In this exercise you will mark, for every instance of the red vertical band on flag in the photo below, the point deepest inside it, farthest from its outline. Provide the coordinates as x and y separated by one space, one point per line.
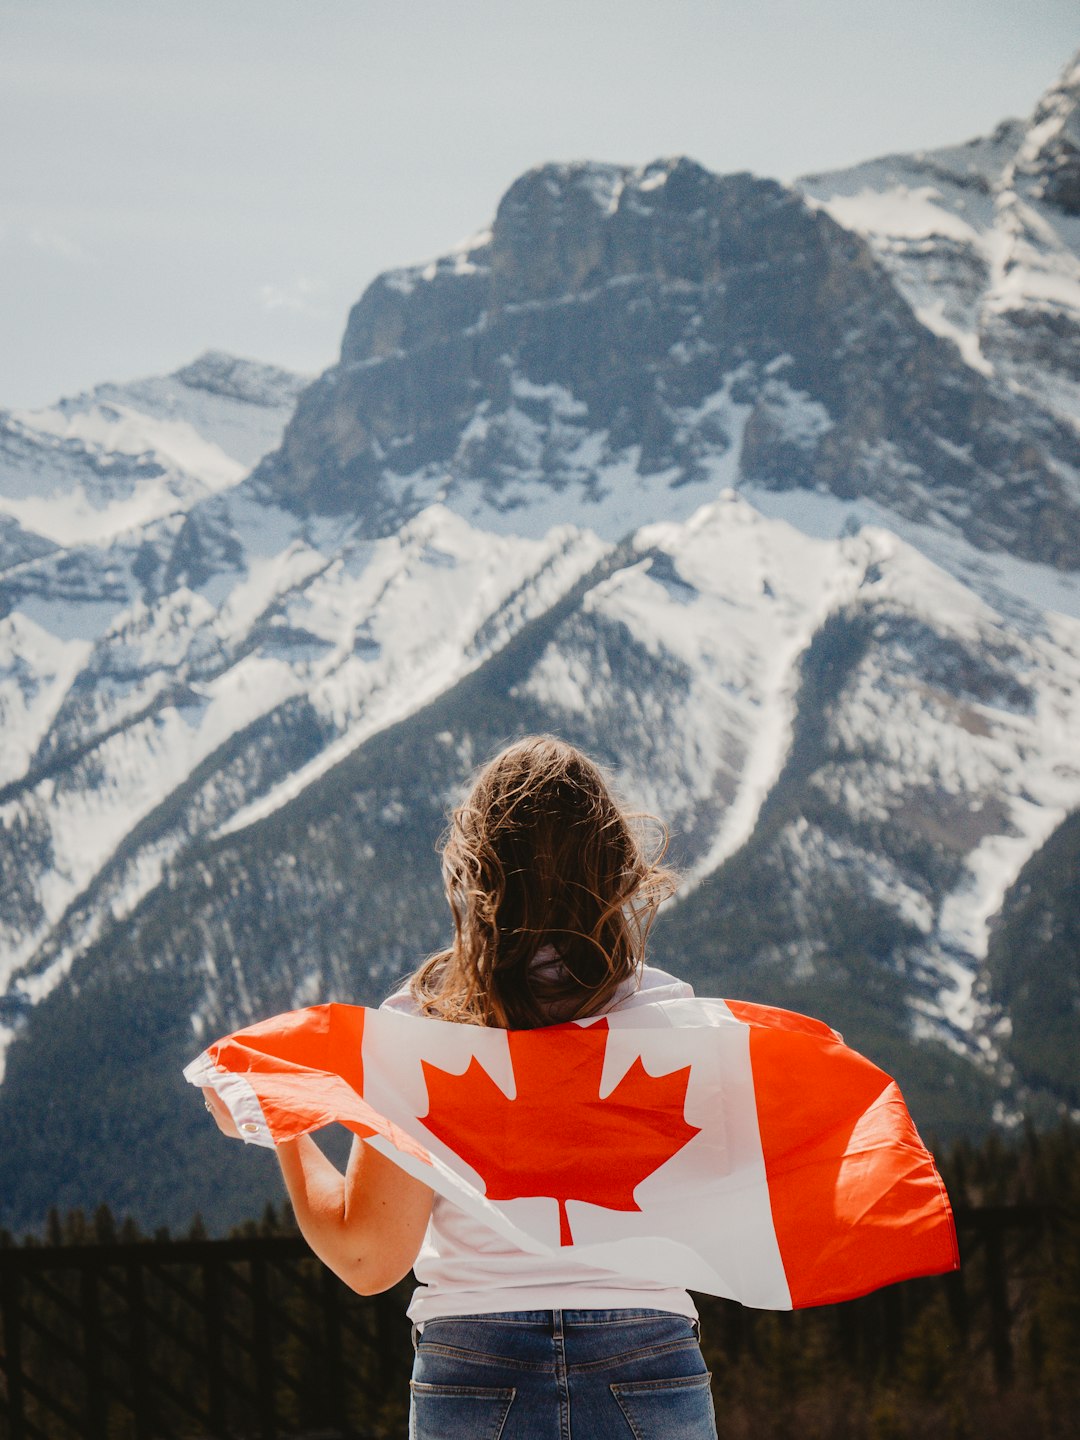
856 1199
277 1058
306 1069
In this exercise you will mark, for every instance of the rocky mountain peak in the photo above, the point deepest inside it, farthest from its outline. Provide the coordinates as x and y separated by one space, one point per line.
1050 150
663 329
236 378
561 229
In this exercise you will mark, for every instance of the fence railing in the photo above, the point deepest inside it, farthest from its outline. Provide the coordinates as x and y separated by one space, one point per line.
254 1338
192 1338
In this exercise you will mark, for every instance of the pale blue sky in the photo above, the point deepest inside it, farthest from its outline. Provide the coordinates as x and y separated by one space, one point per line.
178 175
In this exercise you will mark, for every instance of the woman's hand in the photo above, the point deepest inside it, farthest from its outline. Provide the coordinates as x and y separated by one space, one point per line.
220 1111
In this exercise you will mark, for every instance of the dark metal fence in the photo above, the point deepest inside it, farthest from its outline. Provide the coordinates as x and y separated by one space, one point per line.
254 1338
193 1338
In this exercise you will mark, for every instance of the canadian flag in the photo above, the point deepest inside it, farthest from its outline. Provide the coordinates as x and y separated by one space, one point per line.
729 1148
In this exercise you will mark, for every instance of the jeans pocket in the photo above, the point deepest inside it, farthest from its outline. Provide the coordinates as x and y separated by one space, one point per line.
677 1408
458 1412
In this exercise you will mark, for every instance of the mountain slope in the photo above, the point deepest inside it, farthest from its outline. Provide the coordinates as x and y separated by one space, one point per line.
1034 969
713 665
182 714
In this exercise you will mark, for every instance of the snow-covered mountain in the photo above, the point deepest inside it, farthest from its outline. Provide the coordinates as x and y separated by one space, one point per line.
625 342
983 239
273 652
94 467
769 497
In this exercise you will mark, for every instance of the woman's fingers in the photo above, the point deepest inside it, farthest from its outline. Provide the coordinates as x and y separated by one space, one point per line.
220 1111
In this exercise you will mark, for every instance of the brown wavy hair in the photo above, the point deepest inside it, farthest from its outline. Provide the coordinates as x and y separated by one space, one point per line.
541 854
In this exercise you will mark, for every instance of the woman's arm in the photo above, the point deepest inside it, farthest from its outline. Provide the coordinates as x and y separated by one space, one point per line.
366 1225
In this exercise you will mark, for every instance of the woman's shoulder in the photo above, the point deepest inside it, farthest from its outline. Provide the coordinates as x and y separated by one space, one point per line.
649 985
402 1000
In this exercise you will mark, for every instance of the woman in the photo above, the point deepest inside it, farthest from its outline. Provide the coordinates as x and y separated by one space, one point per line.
552 894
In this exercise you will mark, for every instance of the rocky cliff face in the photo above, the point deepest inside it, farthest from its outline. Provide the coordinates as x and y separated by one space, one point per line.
658 329
1047 163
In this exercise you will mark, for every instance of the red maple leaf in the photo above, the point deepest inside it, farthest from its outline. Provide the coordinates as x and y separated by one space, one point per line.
558 1138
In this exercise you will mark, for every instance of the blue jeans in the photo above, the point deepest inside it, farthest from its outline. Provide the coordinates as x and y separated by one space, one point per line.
561 1375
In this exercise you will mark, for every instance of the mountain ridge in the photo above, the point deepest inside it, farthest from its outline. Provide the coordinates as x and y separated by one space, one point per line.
741 281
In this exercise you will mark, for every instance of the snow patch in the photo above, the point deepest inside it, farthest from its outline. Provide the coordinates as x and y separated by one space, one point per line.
422 603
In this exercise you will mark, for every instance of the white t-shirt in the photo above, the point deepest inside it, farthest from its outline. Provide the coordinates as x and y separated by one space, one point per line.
466 1268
